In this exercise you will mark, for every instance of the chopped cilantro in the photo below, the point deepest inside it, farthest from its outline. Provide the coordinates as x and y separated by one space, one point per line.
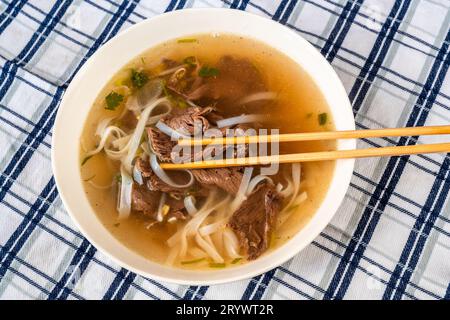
138 78
113 100
192 261
323 117
207 72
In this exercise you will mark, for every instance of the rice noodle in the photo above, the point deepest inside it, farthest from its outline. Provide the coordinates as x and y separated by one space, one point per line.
296 173
197 253
213 227
124 197
154 119
191 227
139 130
245 118
168 71
243 187
104 137
231 243
137 176
164 128
120 143
162 202
265 95
189 204
279 187
173 254
255 181
164 177
288 210
102 126
210 249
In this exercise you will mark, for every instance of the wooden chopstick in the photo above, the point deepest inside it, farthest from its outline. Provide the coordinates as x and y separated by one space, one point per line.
312 156
325 135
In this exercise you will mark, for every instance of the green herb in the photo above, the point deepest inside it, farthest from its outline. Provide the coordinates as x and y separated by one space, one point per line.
217 265
118 178
86 159
207 72
113 100
323 117
116 224
187 40
90 178
138 78
192 261
143 60
191 61
236 260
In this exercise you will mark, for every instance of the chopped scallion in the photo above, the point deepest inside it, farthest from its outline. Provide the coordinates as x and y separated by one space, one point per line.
187 40
113 100
192 261
207 72
138 78
323 118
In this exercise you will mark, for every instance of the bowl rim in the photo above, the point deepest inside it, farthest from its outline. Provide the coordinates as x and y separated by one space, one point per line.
343 168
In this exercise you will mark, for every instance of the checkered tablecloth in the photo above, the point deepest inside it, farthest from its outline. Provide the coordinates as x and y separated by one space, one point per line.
391 236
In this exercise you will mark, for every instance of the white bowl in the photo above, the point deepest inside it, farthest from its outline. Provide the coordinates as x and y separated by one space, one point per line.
110 58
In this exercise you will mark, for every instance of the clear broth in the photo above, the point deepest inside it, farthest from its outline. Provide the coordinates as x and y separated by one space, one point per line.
297 109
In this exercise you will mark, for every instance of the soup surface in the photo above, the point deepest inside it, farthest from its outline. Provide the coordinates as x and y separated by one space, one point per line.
222 76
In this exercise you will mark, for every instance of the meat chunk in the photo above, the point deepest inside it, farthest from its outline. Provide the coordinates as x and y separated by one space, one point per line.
228 179
182 121
144 200
161 144
253 220
237 78
153 182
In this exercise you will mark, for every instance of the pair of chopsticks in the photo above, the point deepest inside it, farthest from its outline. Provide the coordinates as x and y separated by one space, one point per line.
316 156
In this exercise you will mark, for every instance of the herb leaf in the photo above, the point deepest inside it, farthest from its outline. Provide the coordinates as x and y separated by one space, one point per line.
113 100
187 40
138 78
323 118
236 260
207 72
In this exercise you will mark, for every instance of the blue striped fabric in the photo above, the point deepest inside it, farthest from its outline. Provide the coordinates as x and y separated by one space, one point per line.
391 236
